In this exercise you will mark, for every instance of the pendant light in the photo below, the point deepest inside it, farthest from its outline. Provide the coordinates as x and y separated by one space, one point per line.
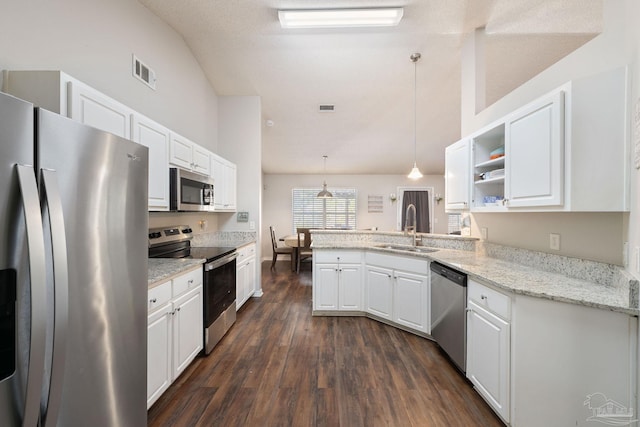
325 194
415 172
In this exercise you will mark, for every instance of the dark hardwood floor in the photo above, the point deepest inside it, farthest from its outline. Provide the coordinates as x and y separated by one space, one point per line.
279 366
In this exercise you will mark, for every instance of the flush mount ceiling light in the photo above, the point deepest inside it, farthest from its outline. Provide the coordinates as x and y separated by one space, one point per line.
324 194
415 172
340 18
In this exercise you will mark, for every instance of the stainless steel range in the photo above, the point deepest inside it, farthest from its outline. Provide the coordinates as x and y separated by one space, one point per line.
219 277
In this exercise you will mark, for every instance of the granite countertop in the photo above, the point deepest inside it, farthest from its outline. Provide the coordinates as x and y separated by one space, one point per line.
517 278
162 269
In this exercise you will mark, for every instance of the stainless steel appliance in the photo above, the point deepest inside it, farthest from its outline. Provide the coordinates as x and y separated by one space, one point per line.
190 191
448 312
73 272
219 277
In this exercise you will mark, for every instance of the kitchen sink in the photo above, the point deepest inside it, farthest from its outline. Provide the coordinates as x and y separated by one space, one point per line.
419 249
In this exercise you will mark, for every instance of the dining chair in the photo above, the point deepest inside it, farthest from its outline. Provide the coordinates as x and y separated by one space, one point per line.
278 250
304 246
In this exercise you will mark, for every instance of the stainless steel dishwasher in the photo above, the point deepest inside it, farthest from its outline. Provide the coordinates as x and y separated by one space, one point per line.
448 315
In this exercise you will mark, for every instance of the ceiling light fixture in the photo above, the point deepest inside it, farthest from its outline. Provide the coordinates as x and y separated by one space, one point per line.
415 172
340 18
325 194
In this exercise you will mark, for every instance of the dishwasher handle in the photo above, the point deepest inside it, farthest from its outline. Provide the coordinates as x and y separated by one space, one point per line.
454 276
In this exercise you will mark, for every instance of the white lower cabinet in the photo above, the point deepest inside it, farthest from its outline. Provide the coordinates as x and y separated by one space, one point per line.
174 330
187 330
159 346
337 280
398 289
488 346
410 293
380 291
245 274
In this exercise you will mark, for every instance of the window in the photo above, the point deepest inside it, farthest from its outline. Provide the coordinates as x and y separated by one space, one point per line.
337 212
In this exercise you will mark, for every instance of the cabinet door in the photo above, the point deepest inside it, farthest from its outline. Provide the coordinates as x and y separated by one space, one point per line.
457 165
379 291
219 180
187 330
201 161
231 177
350 287
250 278
411 301
534 154
488 357
155 137
240 284
158 353
88 106
180 151
325 287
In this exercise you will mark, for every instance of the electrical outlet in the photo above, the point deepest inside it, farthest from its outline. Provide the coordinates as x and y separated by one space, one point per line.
625 254
252 225
484 231
554 241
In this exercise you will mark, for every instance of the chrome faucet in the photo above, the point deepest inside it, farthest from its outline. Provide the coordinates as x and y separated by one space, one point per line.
408 227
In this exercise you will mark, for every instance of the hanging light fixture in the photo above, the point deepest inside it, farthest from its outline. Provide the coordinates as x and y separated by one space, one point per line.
324 194
415 172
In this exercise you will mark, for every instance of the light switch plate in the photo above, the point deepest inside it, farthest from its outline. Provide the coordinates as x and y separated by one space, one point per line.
554 241
484 231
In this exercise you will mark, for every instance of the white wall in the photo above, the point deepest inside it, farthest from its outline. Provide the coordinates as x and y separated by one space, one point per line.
93 41
240 140
594 236
277 200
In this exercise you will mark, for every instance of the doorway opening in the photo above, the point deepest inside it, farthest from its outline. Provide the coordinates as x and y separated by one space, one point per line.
422 199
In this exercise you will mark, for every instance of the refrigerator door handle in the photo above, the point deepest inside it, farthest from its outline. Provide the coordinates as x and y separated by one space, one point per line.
61 294
37 273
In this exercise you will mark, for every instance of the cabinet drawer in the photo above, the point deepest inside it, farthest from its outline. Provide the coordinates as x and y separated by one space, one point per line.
352 257
158 296
186 282
492 300
399 262
246 252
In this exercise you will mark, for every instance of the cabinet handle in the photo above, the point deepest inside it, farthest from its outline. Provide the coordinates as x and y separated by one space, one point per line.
469 310
178 309
190 282
484 297
153 301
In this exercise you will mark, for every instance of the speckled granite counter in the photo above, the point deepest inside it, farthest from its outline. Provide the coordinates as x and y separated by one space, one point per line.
162 269
591 284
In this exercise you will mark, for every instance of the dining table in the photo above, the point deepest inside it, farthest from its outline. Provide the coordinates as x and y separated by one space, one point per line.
292 241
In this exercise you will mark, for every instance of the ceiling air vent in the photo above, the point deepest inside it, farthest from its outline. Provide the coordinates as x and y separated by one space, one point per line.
326 108
143 73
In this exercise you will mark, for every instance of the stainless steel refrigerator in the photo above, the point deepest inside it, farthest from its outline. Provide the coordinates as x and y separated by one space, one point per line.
73 272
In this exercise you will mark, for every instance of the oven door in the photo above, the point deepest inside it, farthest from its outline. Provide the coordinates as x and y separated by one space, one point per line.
219 299
190 191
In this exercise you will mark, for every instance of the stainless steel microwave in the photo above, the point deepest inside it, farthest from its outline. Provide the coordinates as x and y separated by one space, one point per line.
190 191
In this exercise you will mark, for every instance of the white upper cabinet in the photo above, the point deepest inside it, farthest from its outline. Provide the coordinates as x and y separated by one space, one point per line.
224 180
457 165
566 151
88 106
189 155
534 154
155 137
62 94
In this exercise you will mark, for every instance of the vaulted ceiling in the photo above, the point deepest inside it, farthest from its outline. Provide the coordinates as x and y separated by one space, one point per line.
367 73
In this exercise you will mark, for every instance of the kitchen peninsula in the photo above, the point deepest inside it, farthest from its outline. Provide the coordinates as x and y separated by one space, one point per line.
538 338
